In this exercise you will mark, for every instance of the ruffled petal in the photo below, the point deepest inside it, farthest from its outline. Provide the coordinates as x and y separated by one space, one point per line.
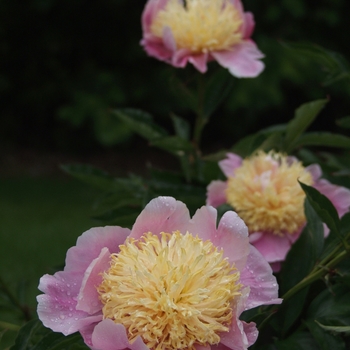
149 13
162 214
315 171
88 297
199 62
57 308
258 276
338 195
108 335
216 193
243 61
248 25
273 247
89 246
232 237
230 164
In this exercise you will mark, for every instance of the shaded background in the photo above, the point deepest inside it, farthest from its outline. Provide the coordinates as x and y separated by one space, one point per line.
65 63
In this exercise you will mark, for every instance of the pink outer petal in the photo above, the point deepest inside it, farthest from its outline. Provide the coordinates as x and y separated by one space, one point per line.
248 25
199 62
243 61
258 276
108 335
273 247
88 297
56 308
338 195
231 235
237 338
89 246
150 11
216 193
230 164
162 214
315 171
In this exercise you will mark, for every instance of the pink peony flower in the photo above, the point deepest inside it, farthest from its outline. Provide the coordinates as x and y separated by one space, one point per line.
199 31
264 191
171 282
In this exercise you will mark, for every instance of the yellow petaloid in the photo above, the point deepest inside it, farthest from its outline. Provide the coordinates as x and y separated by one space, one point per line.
200 25
174 291
266 194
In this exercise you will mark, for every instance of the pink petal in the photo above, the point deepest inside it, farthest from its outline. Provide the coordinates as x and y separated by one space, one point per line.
216 193
258 276
88 297
168 39
315 171
108 335
236 338
273 247
248 25
232 237
338 195
162 214
199 62
57 308
203 223
150 11
156 48
230 164
243 61
89 246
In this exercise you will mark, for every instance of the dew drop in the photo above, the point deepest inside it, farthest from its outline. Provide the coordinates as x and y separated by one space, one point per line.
62 317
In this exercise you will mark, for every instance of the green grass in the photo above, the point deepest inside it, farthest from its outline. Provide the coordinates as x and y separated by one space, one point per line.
39 220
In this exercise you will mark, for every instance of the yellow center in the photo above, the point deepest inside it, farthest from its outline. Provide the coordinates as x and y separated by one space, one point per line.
175 291
201 25
266 194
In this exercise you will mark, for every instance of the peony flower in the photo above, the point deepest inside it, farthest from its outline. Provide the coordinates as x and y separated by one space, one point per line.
198 31
171 282
264 191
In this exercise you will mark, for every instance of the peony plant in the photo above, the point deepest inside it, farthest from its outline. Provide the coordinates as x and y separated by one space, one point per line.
200 31
265 192
171 282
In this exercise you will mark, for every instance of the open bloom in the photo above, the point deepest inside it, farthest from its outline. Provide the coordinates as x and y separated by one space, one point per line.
198 31
171 282
264 191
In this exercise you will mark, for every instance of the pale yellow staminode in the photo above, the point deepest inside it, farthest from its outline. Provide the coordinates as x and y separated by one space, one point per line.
174 291
201 25
266 194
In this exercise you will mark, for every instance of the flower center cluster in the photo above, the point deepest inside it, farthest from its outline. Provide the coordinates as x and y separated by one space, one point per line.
200 25
266 194
175 291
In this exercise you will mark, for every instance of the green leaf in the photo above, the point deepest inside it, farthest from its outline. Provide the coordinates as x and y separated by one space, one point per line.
332 62
217 90
325 139
26 332
331 306
174 145
323 207
324 340
181 126
303 118
335 329
344 122
308 246
298 341
56 341
141 123
90 175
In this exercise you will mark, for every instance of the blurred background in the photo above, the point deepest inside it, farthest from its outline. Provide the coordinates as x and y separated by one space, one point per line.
64 64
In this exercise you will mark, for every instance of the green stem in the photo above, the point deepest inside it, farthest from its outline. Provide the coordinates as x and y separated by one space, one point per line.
200 118
313 276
